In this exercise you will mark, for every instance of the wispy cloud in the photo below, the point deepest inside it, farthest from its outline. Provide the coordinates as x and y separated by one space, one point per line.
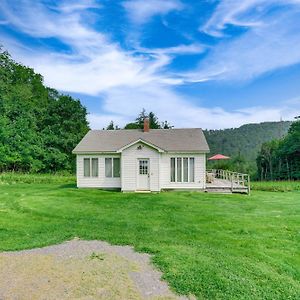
242 13
95 64
195 48
79 5
121 105
247 13
130 80
269 43
141 11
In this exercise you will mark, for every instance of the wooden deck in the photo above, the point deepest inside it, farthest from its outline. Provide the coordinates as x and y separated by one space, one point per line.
223 181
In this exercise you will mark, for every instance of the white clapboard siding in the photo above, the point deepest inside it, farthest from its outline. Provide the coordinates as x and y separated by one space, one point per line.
165 172
129 168
96 182
159 170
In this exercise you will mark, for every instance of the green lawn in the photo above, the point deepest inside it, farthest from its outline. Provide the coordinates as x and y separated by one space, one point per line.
212 246
276 186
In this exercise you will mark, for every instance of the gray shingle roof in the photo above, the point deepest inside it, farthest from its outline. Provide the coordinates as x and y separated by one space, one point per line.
170 140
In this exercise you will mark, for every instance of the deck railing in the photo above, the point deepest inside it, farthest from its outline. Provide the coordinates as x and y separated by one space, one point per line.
236 179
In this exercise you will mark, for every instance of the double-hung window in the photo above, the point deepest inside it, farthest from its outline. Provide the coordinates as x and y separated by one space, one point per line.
112 167
182 169
90 167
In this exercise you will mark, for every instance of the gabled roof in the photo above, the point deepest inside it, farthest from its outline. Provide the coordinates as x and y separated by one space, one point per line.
143 142
169 140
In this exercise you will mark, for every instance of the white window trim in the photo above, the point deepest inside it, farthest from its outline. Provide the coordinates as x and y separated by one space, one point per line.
90 163
112 166
182 157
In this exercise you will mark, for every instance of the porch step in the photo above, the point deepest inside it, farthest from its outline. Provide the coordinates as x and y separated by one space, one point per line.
218 190
142 192
226 190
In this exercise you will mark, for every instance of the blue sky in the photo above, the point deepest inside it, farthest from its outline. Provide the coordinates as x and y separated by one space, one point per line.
197 63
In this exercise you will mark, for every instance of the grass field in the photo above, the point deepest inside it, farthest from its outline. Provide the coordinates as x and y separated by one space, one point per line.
276 186
212 246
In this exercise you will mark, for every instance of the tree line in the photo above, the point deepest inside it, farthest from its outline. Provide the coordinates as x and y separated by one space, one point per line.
279 159
39 126
154 122
242 144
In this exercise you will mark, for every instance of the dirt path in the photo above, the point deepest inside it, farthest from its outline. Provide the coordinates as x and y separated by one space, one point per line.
80 270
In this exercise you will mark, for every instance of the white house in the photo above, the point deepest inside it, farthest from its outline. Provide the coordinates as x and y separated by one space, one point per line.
142 160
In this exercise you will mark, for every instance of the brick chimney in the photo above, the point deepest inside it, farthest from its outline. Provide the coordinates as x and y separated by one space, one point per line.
146 125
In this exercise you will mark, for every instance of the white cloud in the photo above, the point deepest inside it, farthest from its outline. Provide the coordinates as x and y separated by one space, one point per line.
129 81
38 20
79 5
235 13
95 64
247 13
141 11
271 44
195 48
124 103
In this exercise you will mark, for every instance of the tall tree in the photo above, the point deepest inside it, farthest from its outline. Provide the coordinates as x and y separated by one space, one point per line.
280 159
111 126
39 127
141 117
153 121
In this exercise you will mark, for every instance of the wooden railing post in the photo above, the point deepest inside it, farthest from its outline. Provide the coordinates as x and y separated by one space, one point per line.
249 185
237 180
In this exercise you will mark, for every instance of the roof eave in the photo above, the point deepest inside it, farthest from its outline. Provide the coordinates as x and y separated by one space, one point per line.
188 151
94 152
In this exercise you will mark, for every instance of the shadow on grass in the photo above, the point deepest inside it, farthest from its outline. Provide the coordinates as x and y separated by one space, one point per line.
74 186
68 186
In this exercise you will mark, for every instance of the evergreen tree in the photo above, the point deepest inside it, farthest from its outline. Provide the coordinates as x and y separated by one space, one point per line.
111 126
153 121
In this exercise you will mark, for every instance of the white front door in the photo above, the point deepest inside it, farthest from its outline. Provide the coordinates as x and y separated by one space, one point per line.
143 174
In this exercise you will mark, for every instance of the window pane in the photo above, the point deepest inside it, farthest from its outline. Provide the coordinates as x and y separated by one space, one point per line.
172 169
86 167
185 169
108 167
192 169
95 167
116 167
179 168
143 167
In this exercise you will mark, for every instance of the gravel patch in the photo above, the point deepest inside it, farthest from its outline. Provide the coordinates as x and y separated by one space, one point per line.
81 270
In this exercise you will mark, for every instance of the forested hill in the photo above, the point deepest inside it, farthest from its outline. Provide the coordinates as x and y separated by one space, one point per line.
245 140
39 127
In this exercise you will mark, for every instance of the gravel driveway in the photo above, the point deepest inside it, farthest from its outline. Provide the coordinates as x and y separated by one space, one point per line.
80 270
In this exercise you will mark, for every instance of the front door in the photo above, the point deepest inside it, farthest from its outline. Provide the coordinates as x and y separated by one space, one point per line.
143 174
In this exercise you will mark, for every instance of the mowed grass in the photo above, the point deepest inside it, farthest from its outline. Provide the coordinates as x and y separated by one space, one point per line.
210 245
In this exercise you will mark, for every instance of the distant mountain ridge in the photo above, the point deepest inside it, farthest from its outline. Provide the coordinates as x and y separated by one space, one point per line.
245 140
